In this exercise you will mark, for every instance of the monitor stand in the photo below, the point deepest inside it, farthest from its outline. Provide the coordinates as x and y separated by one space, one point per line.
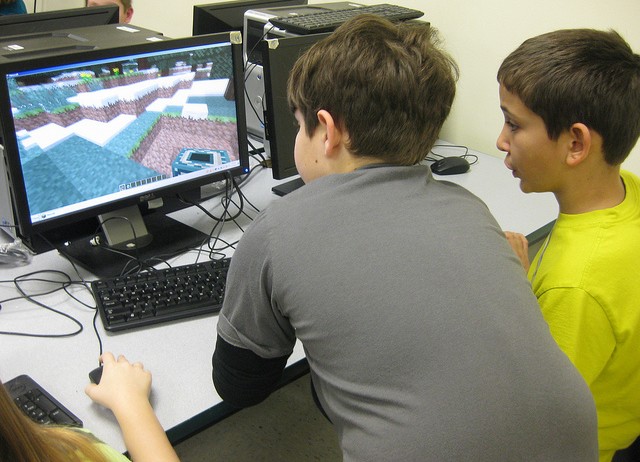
164 238
285 188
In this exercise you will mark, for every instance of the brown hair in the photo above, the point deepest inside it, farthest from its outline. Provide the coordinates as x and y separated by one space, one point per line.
580 76
388 85
22 440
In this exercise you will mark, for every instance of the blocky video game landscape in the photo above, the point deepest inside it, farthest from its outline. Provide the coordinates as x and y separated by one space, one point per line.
88 131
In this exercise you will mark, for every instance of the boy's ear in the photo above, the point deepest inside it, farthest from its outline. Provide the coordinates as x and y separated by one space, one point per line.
129 15
580 144
333 135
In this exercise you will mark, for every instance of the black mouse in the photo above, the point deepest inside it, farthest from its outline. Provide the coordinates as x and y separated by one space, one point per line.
450 165
95 375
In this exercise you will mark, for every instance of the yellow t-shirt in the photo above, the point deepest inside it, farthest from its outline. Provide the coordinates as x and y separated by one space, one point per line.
110 453
587 281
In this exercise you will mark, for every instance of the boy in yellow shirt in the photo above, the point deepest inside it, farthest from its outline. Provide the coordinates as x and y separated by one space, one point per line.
571 103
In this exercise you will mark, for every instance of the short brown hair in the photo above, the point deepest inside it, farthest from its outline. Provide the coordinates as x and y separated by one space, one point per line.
580 76
388 85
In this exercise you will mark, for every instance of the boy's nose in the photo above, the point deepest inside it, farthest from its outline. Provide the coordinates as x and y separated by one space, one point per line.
501 142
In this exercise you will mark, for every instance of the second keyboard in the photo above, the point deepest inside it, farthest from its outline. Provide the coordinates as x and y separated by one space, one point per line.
161 295
327 21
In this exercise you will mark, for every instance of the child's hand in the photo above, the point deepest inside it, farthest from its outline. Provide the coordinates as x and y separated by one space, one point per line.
122 384
520 246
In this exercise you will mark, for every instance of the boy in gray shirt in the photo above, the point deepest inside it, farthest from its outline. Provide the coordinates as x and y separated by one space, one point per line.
423 337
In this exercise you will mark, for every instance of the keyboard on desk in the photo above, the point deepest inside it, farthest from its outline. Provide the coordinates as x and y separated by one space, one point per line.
327 21
38 404
162 295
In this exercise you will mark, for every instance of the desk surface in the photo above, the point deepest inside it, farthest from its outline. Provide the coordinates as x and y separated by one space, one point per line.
179 353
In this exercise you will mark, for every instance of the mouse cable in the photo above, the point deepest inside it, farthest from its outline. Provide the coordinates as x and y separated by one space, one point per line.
87 286
64 285
434 156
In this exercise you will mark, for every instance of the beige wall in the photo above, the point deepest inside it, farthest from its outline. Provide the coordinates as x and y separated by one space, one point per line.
479 34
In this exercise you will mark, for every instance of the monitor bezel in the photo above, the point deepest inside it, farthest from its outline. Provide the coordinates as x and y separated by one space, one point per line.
280 124
25 227
212 11
47 21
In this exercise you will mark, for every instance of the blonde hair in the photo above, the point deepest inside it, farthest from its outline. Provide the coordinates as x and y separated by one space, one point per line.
22 440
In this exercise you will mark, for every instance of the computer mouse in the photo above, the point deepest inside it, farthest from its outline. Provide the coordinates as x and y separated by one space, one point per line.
450 165
95 375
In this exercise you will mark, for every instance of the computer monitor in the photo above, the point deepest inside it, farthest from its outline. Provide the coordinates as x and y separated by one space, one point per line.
57 42
95 137
227 16
279 56
46 21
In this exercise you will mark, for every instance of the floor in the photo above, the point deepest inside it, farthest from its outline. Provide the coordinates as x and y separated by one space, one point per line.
287 427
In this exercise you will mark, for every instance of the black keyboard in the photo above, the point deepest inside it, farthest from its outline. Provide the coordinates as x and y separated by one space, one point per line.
327 21
38 404
161 295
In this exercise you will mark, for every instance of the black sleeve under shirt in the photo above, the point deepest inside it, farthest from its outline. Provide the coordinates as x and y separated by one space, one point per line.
241 377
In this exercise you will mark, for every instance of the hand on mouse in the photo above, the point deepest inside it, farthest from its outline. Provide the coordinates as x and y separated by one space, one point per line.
124 388
122 384
520 246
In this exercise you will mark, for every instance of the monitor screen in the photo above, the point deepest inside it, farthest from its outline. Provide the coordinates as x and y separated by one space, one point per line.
99 131
46 21
227 16
279 56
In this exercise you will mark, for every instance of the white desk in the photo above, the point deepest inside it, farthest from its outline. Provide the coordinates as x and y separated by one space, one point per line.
179 353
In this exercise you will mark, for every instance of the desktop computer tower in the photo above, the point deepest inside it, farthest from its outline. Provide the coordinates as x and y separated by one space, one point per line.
256 29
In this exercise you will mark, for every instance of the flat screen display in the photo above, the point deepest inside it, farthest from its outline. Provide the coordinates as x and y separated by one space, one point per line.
44 21
98 131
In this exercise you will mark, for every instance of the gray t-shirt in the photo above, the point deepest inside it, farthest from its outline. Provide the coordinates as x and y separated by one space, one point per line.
422 334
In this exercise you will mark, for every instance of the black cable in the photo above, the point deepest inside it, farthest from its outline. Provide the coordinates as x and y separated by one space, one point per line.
247 74
433 156
17 281
256 151
88 287
240 193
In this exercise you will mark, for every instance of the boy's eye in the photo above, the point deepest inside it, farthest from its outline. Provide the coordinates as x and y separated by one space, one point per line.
513 127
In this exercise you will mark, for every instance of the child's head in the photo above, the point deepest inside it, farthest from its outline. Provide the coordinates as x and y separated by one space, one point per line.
389 86
125 6
579 76
23 440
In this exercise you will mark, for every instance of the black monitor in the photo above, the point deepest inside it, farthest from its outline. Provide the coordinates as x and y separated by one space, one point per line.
114 136
46 21
54 43
279 56
227 16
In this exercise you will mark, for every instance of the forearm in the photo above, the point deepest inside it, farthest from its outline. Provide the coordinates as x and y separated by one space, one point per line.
243 378
143 435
